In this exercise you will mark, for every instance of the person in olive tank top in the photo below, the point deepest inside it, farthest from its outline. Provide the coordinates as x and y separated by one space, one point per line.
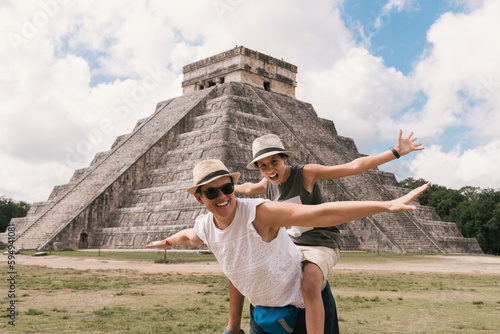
249 239
297 184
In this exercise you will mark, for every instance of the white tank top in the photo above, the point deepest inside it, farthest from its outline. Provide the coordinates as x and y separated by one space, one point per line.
267 273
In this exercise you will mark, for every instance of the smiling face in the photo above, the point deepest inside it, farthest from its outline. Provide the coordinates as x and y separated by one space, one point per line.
223 207
274 168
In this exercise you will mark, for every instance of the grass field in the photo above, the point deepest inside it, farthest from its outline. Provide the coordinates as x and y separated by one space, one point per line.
119 301
155 256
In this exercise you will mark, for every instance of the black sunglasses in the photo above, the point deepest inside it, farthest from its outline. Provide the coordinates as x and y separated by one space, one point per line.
213 192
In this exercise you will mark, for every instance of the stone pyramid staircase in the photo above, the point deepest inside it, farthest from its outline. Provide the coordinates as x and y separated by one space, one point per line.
135 192
160 205
398 233
99 179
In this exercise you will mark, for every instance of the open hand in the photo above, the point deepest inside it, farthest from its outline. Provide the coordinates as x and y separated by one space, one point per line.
407 145
403 203
157 244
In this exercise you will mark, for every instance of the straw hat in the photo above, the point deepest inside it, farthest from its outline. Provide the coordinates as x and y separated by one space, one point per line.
266 146
208 170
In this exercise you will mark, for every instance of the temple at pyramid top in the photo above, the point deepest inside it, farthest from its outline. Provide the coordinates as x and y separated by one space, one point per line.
241 65
135 192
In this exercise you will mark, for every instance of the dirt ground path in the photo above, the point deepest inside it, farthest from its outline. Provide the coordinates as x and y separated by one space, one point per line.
434 264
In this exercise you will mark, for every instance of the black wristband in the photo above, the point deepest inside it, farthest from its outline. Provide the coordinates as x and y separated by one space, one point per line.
395 152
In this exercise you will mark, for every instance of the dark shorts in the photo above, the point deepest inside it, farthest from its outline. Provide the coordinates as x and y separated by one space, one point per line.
331 320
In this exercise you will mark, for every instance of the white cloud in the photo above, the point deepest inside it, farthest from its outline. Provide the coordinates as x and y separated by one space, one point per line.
467 4
460 76
25 181
379 19
455 169
398 5
361 95
461 73
390 6
54 119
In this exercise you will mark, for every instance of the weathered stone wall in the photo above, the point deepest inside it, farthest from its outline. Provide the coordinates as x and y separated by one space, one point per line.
224 130
85 230
101 174
82 231
146 200
241 65
313 143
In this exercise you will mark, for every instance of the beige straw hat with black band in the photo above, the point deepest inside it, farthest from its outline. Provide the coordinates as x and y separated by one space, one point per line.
208 170
266 146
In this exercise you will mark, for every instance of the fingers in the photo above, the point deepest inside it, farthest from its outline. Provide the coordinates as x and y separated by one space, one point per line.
421 189
412 195
416 146
153 244
401 207
411 208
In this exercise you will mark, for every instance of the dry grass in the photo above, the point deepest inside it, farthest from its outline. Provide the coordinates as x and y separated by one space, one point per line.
127 301
416 303
111 301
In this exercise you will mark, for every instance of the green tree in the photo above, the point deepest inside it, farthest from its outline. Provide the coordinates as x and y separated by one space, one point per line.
439 197
411 183
479 217
476 211
444 200
470 193
9 209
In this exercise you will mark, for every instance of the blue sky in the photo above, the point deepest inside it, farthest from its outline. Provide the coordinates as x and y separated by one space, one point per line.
398 36
83 73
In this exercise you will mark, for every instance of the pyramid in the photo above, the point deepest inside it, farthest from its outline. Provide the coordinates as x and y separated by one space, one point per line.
135 192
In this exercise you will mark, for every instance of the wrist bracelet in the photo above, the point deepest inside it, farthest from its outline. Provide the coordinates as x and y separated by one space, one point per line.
395 152
168 243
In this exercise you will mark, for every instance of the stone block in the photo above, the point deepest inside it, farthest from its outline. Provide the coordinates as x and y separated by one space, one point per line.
135 192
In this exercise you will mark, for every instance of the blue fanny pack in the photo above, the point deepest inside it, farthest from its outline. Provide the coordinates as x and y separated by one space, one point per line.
276 320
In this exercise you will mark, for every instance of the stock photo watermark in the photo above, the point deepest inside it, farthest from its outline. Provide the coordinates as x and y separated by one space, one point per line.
487 87
364 32
11 275
48 9
223 7
122 108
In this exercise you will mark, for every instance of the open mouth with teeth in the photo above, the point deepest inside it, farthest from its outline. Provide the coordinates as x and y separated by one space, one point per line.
221 205
273 177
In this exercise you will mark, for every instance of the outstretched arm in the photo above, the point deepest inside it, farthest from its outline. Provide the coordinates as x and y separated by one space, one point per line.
251 189
318 172
278 214
187 237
